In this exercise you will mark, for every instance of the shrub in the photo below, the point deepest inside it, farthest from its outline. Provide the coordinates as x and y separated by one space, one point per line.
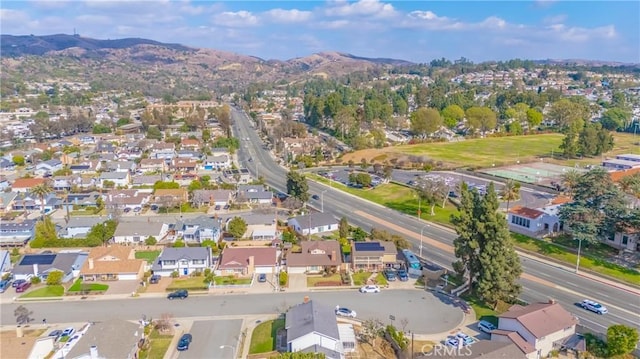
150 241
55 278
283 279
175 274
36 280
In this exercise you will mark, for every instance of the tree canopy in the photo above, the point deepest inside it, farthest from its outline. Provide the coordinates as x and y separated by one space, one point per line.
297 186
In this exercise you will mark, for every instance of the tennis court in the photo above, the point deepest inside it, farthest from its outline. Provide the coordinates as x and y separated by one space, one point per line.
536 172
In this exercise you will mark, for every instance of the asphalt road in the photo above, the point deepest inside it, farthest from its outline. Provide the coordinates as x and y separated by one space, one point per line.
426 313
540 282
212 339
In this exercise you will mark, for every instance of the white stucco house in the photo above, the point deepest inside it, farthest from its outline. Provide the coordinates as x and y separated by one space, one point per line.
137 232
313 223
185 261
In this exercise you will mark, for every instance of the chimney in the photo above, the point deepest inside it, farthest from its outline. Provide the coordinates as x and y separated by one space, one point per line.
35 269
93 352
306 299
251 267
333 256
552 301
90 263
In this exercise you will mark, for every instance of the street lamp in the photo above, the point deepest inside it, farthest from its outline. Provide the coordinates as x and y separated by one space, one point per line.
425 226
578 259
233 348
322 200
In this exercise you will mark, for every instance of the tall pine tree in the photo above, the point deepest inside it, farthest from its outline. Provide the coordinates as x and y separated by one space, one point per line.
484 247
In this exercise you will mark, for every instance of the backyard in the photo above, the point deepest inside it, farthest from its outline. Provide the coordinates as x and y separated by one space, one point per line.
263 338
149 256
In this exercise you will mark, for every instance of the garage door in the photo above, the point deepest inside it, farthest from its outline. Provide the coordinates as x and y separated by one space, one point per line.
265 270
296 270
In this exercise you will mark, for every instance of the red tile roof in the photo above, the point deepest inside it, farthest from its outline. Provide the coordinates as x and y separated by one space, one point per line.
27 182
541 319
526 212
235 258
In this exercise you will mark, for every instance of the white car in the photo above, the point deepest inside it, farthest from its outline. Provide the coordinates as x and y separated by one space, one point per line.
345 312
485 326
370 289
594 306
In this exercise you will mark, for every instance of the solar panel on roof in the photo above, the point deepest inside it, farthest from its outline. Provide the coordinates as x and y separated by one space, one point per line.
369 246
43 259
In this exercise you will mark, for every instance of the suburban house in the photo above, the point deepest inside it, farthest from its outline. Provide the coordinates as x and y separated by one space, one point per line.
81 200
7 165
40 265
313 223
114 338
245 261
190 144
536 329
167 197
153 165
627 239
6 200
237 176
185 260
49 166
211 197
482 349
119 179
78 227
121 166
126 198
217 162
16 233
114 262
260 227
184 165
25 184
535 222
145 180
373 256
312 328
136 232
315 257
198 229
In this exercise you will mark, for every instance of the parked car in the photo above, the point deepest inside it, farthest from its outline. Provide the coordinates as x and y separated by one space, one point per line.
402 275
390 275
594 307
18 282
466 340
127 210
316 197
178 294
485 326
23 287
262 278
452 342
56 333
137 209
226 207
68 332
154 279
217 207
185 340
154 207
370 289
345 312
4 285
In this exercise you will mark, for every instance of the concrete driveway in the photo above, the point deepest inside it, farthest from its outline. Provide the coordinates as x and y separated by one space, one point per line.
208 338
122 286
297 282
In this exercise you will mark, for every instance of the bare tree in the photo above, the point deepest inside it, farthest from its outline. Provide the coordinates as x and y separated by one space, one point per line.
404 322
165 323
371 330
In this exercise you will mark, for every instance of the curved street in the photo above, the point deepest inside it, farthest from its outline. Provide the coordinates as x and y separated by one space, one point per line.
540 280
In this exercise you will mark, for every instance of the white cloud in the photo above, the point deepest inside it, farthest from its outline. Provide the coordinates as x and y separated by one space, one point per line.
372 8
236 19
556 19
333 24
94 20
288 16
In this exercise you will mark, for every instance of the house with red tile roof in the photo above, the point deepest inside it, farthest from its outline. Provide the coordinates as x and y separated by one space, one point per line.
535 222
536 329
25 184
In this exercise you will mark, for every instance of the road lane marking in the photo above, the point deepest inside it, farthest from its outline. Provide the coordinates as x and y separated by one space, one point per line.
449 249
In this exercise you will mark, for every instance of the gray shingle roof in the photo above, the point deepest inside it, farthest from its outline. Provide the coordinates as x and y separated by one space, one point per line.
114 339
85 221
315 220
62 262
174 254
311 317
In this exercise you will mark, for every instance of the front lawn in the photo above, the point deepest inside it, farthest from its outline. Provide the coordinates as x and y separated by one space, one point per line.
78 286
598 265
381 280
157 347
482 310
149 256
192 283
231 280
360 278
44 292
263 338
312 281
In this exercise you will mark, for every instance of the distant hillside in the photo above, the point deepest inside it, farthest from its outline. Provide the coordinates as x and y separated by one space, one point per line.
152 66
40 45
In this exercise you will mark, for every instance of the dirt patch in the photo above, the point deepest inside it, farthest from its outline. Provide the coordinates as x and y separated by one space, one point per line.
13 347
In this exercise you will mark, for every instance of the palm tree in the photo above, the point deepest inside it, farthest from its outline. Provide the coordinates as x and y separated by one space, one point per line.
570 180
510 192
41 190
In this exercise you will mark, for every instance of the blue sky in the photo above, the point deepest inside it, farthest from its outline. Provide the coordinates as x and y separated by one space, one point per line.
417 31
